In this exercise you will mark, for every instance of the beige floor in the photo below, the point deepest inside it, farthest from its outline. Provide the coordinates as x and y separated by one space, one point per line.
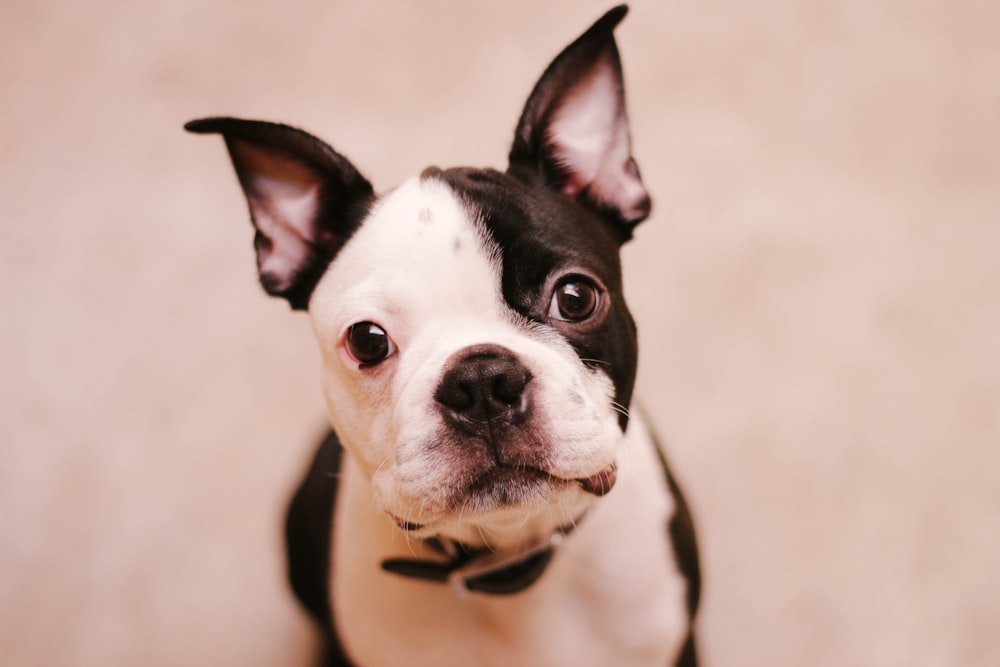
817 293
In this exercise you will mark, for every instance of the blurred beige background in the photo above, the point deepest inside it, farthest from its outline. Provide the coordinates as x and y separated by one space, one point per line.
817 293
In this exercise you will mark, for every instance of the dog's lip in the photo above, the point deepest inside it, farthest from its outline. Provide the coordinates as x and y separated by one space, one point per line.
598 484
510 473
601 483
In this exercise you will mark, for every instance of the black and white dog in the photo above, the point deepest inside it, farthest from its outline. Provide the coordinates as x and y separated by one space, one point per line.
485 497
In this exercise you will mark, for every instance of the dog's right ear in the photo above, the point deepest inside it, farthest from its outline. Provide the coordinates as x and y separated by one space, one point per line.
573 134
305 200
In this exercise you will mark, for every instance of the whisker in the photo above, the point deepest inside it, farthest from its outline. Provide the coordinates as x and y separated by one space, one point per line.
483 536
382 463
619 408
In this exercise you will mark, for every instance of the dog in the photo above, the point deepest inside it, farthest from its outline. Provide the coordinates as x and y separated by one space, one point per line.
485 496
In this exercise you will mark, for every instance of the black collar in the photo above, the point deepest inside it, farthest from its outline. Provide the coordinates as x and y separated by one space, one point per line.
481 570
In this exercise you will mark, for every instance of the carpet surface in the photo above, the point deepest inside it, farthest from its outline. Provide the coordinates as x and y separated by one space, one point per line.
817 293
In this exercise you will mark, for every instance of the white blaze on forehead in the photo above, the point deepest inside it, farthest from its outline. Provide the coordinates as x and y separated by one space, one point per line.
420 254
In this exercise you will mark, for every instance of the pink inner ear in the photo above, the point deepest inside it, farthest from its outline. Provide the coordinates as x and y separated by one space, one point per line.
589 135
284 198
586 123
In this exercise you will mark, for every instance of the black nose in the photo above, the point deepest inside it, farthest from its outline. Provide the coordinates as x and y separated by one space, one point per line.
483 386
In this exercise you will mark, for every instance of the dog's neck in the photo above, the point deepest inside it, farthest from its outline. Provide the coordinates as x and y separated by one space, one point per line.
482 570
501 555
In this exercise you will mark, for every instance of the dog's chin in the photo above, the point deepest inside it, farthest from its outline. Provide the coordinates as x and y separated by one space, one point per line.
511 499
508 487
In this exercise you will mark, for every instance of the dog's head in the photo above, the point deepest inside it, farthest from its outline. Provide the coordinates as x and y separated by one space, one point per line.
479 356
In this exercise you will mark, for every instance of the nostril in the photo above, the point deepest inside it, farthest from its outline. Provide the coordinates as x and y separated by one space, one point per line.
508 387
455 394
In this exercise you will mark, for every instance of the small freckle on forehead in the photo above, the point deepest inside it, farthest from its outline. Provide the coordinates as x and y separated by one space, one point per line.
424 215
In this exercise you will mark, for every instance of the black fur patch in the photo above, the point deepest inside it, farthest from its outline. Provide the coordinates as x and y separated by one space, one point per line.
539 234
685 545
308 537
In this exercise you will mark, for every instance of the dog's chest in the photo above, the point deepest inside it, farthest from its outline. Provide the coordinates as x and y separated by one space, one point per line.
612 595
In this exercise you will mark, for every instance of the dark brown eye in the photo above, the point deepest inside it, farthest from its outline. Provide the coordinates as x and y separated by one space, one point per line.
574 300
368 343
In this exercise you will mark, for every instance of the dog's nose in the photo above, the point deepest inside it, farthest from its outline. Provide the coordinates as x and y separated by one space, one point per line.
483 385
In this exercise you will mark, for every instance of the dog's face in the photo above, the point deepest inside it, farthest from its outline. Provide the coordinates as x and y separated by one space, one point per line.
476 348
478 353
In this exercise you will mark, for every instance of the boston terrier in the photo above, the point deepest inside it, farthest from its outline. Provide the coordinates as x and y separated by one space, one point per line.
486 496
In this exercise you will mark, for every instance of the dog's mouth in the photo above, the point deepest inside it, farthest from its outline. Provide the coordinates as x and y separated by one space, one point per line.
508 486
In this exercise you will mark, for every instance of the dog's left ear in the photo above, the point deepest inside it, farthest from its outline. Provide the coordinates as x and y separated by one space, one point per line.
573 132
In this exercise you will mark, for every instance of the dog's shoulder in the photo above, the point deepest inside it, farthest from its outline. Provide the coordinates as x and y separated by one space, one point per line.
308 535
682 533
684 542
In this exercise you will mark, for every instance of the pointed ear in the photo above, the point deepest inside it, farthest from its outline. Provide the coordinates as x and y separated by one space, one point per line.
305 200
573 133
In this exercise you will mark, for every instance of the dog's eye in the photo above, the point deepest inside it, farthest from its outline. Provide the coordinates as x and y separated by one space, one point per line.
574 300
368 343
